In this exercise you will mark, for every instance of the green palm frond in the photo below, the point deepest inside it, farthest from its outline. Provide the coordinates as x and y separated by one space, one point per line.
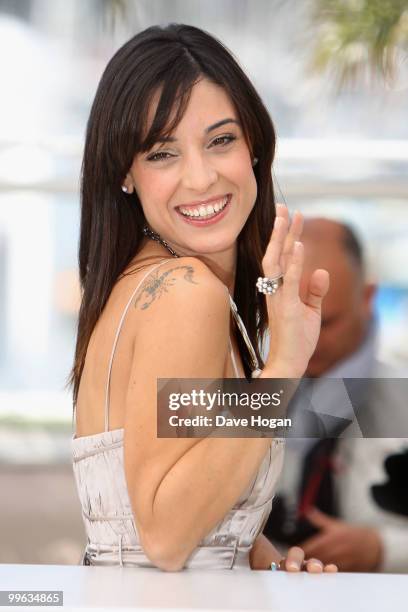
356 36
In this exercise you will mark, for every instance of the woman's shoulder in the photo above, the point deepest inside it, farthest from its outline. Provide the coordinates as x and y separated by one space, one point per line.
191 265
181 318
179 277
177 290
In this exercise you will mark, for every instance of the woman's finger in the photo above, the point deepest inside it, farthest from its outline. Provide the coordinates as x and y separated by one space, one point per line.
295 228
331 568
313 566
271 259
281 210
294 233
318 288
293 273
294 560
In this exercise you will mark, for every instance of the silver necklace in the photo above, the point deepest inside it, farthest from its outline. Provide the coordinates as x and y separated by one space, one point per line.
255 363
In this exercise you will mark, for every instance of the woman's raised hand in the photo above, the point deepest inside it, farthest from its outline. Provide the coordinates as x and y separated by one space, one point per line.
294 325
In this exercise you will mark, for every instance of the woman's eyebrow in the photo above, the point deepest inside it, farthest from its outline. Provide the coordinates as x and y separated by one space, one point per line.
220 123
212 127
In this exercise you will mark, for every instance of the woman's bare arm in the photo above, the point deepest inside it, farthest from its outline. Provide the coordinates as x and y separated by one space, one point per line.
181 488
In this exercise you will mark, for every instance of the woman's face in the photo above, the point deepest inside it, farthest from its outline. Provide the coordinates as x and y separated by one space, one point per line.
198 188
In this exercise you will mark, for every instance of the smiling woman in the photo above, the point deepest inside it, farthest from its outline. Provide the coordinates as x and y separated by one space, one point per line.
176 226
202 156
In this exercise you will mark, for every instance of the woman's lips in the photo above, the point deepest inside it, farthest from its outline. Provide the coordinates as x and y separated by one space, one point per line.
213 219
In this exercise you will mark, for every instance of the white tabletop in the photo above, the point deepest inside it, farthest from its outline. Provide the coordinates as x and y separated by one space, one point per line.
151 589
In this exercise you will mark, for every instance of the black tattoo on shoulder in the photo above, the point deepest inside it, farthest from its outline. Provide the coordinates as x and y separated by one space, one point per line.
160 283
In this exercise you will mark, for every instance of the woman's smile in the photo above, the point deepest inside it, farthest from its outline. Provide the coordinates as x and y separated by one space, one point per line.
207 212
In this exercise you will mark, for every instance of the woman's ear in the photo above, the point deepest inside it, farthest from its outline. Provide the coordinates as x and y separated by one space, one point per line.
128 185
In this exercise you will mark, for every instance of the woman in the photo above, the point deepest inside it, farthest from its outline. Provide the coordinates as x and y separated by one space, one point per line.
177 216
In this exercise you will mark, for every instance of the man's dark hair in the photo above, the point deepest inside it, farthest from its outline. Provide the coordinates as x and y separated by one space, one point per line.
352 246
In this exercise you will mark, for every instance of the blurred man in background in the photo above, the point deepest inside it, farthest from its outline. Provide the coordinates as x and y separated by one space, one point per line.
332 501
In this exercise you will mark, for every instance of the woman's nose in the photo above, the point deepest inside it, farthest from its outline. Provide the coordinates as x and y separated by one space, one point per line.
198 173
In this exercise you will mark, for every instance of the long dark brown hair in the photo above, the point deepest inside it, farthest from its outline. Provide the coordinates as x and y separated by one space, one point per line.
169 60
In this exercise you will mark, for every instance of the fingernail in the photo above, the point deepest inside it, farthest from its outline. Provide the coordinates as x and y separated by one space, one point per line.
330 568
315 564
292 565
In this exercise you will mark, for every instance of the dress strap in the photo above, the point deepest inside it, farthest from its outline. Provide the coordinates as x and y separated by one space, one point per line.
117 338
234 361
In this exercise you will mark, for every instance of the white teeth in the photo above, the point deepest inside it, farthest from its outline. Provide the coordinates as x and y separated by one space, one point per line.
205 210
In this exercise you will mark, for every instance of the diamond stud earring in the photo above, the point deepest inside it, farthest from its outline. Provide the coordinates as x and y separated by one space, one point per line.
255 161
124 189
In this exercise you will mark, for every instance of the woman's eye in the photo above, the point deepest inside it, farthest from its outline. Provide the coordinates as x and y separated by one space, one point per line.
223 140
159 156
